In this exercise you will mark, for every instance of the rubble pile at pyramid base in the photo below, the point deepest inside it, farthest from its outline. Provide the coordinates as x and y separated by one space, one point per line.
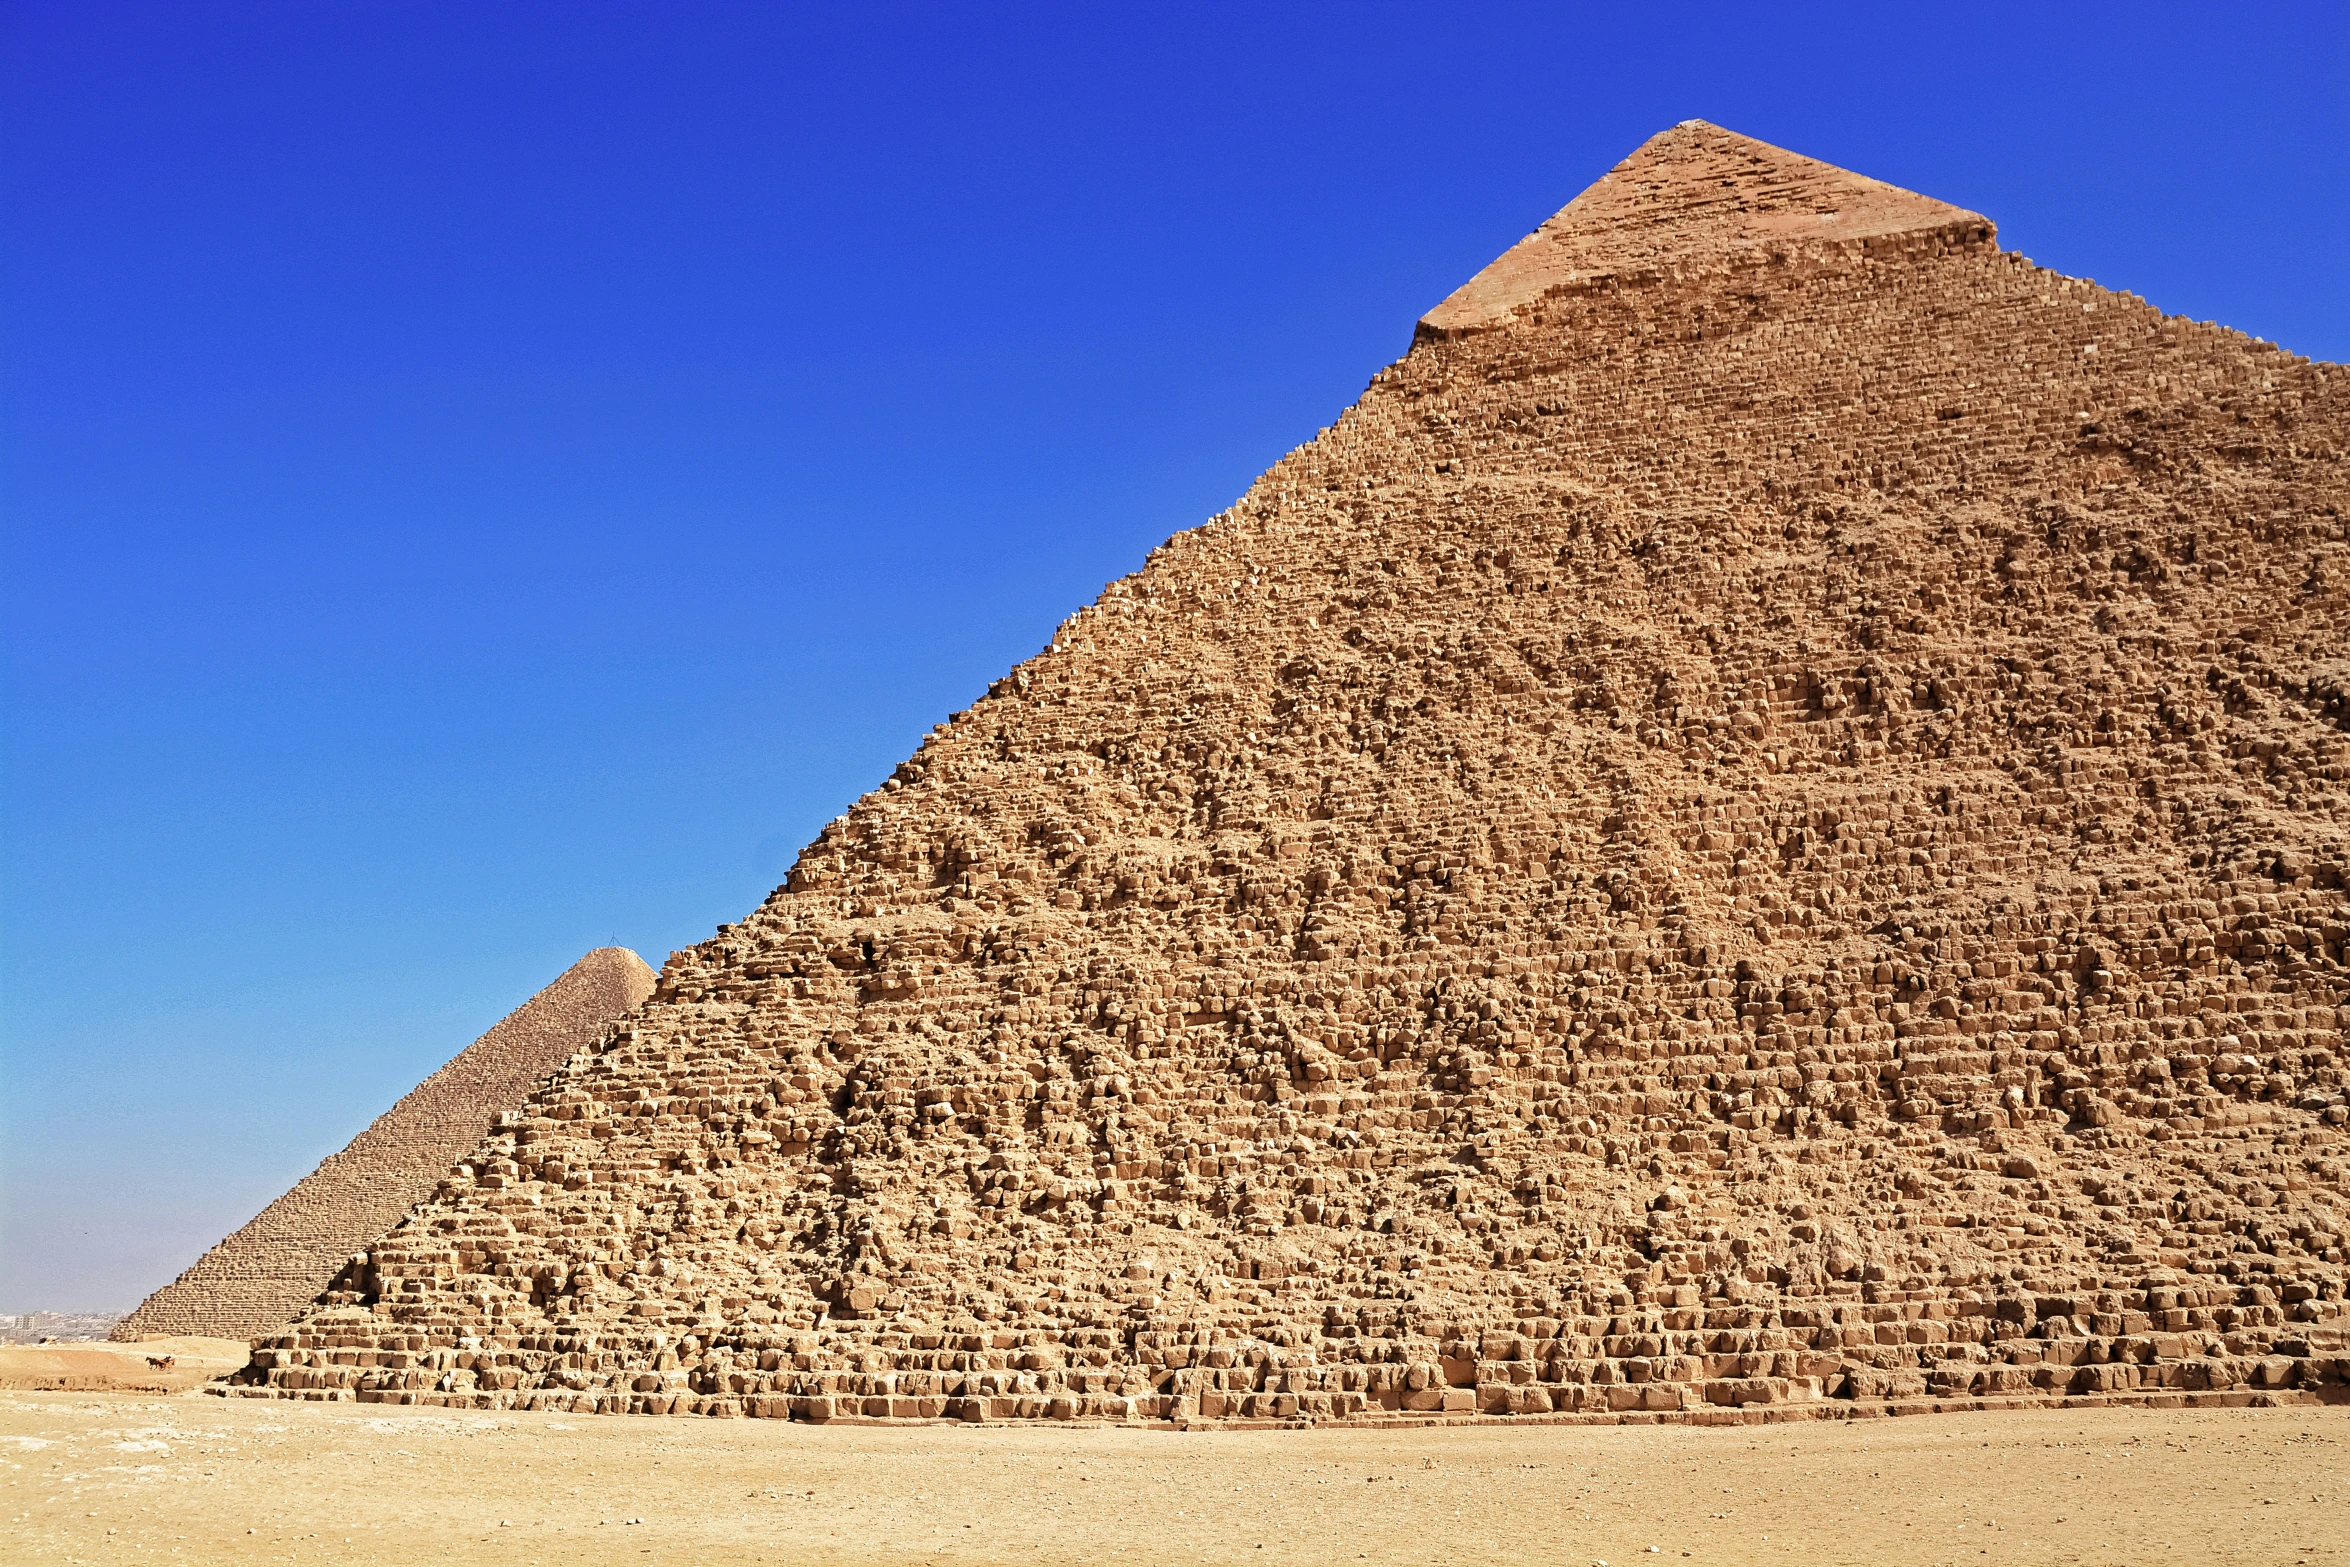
1759 831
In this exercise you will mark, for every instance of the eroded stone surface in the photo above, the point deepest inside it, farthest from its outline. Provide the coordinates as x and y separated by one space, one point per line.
256 1280
1763 834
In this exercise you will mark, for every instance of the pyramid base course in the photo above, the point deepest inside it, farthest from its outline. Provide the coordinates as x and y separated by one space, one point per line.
1283 1412
1666 1356
2156 1370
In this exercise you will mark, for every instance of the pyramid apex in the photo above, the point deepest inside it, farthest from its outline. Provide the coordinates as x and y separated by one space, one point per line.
1692 193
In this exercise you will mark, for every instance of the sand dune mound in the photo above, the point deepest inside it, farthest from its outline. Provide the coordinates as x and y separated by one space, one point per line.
1758 830
255 1281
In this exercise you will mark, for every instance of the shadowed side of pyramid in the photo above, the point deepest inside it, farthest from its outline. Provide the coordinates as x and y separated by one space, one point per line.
1697 195
261 1276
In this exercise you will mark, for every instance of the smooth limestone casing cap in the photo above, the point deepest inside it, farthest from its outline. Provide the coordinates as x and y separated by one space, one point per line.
1688 196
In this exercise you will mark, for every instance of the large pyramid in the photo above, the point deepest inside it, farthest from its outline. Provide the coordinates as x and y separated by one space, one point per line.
258 1279
1758 830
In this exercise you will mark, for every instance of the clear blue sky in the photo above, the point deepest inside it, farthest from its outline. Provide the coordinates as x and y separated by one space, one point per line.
484 481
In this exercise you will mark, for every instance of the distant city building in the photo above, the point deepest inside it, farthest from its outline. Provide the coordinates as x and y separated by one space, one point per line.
30 1327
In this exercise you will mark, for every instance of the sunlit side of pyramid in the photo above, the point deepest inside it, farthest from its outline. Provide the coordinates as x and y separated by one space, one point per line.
1757 831
258 1279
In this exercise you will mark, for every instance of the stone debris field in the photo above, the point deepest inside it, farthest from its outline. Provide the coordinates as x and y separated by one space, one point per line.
1756 833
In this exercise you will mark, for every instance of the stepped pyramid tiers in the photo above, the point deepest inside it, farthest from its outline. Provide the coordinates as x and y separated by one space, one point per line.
1758 829
258 1279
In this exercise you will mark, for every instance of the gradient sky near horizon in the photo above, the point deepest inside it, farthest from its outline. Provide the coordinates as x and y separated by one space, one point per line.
483 482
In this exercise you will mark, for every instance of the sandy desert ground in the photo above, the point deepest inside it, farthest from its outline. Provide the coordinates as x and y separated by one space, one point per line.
83 1367
120 1477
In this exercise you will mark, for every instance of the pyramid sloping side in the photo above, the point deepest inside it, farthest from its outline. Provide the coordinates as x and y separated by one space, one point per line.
257 1279
1698 196
1769 837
